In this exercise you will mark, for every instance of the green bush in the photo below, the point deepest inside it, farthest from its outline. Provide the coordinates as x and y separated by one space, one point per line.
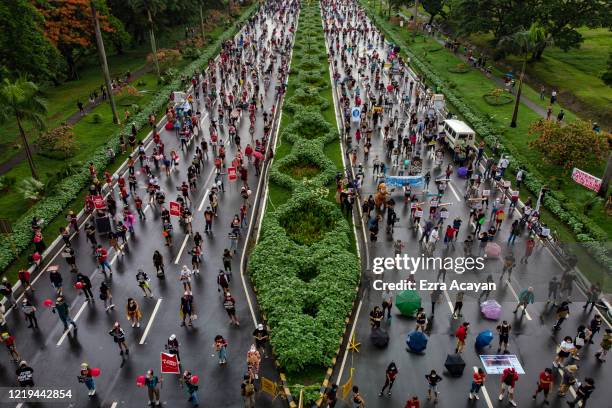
302 266
96 118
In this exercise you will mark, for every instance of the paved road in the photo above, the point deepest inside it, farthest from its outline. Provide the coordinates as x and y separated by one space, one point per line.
56 355
531 340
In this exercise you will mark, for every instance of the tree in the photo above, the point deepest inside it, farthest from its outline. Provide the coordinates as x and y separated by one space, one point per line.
500 17
433 7
68 25
574 144
60 139
20 100
24 49
561 20
523 43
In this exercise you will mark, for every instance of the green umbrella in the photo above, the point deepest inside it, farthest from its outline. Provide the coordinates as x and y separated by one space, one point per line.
408 302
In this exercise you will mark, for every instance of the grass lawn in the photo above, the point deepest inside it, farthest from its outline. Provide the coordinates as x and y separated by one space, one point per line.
472 86
586 93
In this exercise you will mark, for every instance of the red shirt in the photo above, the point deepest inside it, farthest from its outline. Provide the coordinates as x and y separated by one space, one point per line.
461 333
479 378
545 380
101 254
412 404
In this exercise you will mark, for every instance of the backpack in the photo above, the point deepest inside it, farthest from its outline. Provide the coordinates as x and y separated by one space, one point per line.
249 389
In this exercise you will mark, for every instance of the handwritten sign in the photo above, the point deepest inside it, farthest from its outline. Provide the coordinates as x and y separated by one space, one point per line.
585 179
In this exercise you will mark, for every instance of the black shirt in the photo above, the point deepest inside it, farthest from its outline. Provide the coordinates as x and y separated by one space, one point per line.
260 334
25 376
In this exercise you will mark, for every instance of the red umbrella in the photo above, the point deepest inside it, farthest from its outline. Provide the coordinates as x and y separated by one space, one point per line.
95 372
258 155
194 379
78 285
48 302
140 380
389 87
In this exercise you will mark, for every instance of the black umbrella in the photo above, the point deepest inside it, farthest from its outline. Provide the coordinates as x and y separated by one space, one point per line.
455 365
380 338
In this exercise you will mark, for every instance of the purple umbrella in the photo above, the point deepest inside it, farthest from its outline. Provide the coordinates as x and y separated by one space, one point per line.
491 309
462 171
492 250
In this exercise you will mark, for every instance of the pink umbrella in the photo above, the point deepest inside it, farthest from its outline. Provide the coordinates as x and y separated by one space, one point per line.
492 250
491 310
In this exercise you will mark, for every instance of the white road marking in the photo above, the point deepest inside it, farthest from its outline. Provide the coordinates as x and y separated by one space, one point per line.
517 299
76 317
178 256
485 394
114 404
346 351
448 301
203 200
450 184
150 323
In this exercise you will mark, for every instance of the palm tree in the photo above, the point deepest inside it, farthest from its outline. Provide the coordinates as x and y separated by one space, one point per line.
523 43
21 100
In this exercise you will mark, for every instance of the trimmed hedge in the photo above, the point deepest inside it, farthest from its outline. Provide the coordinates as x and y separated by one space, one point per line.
587 232
70 188
302 267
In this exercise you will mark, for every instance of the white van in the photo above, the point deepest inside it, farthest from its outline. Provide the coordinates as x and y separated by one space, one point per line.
459 133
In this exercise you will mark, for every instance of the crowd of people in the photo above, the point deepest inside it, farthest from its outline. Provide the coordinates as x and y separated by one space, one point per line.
396 116
204 123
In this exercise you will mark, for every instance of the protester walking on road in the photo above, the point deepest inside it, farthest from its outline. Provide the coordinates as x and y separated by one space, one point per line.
30 313
158 262
62 308
508 383
390 375
133 313
432 380
187 310
143 282
566 349
461 335
583 393
220 346
604 346
118 335
526 297
478 379
86 377
152 382
545 383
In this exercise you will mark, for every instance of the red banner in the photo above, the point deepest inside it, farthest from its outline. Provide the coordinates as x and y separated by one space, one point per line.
99 202
585 179
175 209
231 174
169 364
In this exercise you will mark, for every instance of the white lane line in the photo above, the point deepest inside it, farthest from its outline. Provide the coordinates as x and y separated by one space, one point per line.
450 184
19 405
114 404
203 200
448 301
144 335
346 351
485 394
76 317
517 299
178 256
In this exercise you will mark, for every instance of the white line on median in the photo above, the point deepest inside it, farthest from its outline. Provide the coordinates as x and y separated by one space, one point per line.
350 337
203 200
76 317
178 256
144 335
114 404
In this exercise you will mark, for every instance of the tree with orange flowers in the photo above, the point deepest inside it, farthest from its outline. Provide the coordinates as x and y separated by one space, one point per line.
69 26
574 144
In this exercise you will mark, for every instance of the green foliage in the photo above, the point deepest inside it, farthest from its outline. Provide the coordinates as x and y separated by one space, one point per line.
31 189
6 182
302 267
96 118
607 75
24 49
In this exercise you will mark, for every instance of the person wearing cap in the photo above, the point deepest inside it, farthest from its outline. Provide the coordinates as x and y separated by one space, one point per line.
261 338
173 346
86 378
62 308
247 390
30 313
192 389
118 335
229 303
152 383
25 374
